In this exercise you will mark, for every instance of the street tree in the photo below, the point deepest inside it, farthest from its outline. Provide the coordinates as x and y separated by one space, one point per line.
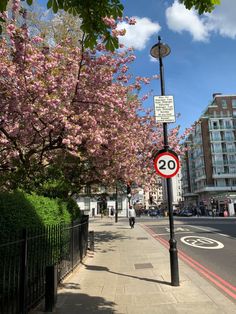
60 101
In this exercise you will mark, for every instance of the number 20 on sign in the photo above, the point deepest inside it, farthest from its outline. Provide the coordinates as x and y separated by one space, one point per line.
166 164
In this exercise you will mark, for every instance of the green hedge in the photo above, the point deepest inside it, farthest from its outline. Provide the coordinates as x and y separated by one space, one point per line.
20 210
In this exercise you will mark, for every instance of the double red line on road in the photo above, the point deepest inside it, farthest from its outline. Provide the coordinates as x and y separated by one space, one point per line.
210 275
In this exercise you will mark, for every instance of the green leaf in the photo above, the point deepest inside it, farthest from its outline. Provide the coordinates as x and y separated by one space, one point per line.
2 20
90 41
49 4
61 4
3 5
109 44
55 6
29 2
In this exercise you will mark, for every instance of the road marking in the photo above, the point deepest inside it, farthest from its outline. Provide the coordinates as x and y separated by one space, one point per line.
177 229
175 232
204 229
224 235
210 275
202 242
210 230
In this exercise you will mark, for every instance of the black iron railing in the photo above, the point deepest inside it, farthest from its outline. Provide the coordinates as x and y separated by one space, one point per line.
24 258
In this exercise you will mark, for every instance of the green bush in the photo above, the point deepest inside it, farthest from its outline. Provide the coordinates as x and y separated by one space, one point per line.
20 210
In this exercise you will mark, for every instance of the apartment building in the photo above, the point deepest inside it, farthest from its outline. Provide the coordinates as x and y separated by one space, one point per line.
209 164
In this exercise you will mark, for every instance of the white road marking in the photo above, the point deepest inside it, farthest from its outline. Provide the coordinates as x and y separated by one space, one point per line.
210 230
177 233
224 235
182 230
202 242
204 229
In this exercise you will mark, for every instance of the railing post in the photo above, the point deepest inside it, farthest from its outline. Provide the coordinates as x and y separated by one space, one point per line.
72 246
91 240
23 275
50 287
80 242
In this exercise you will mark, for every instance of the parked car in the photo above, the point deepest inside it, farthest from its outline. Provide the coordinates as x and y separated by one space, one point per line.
154 213
186 213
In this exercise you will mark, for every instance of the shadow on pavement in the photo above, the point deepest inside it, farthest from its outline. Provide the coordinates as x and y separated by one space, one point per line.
74 303
106 236
102 268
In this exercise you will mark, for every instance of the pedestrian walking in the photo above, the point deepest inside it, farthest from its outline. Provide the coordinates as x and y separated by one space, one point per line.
112 211
132 216
213 212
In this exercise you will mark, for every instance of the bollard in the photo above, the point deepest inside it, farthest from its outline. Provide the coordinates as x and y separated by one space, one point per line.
91 240
50 288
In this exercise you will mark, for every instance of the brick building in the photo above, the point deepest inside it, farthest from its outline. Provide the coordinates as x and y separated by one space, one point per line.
209 164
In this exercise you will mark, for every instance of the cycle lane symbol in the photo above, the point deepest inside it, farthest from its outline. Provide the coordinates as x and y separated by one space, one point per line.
202 242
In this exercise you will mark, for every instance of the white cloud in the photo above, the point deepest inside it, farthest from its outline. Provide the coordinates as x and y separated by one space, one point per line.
138 35
180 19
221 20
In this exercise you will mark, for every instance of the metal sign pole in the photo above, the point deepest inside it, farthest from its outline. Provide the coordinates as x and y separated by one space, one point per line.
173 243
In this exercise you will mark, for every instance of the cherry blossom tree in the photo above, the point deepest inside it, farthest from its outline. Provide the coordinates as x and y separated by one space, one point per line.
66 101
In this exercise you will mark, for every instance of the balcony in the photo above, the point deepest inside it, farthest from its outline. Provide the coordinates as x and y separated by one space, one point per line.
218 163
214 189
221 127
202 177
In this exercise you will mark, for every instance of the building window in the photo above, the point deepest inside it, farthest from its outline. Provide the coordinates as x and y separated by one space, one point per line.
217 148
231 158
224 103
233 103
215 125
230 147
219 170
216 136
228 124
229 136
233 181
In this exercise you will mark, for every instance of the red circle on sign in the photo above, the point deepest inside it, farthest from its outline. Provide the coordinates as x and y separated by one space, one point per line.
166 154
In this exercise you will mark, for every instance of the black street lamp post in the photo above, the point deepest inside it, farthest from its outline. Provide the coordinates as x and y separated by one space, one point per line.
159 51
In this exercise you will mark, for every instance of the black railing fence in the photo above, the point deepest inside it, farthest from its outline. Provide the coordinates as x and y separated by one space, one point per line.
24 258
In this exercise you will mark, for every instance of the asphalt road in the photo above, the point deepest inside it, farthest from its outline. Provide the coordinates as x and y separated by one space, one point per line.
211 242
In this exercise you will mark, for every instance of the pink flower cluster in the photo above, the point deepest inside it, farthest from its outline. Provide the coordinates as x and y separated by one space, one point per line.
53 102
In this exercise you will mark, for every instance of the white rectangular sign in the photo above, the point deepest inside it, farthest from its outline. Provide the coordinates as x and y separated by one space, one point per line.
164 109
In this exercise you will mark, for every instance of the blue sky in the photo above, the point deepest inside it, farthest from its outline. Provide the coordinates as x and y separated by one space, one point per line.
203 52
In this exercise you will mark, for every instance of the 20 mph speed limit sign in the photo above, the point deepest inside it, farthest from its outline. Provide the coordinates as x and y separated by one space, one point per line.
166 164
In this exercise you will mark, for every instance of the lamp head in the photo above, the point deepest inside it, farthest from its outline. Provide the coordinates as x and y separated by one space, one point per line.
160 50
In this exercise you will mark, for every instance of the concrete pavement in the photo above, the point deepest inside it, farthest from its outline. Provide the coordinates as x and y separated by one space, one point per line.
129 273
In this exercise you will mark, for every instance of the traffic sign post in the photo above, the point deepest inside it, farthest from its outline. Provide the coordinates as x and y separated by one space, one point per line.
164 112
166 164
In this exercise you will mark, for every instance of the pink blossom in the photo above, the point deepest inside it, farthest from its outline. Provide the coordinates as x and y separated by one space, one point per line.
37 39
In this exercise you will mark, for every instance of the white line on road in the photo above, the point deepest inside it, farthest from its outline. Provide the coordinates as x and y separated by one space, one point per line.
204 229
210 230
161 234
224 235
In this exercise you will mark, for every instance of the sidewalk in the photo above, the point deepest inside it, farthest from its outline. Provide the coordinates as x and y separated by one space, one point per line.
129 273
